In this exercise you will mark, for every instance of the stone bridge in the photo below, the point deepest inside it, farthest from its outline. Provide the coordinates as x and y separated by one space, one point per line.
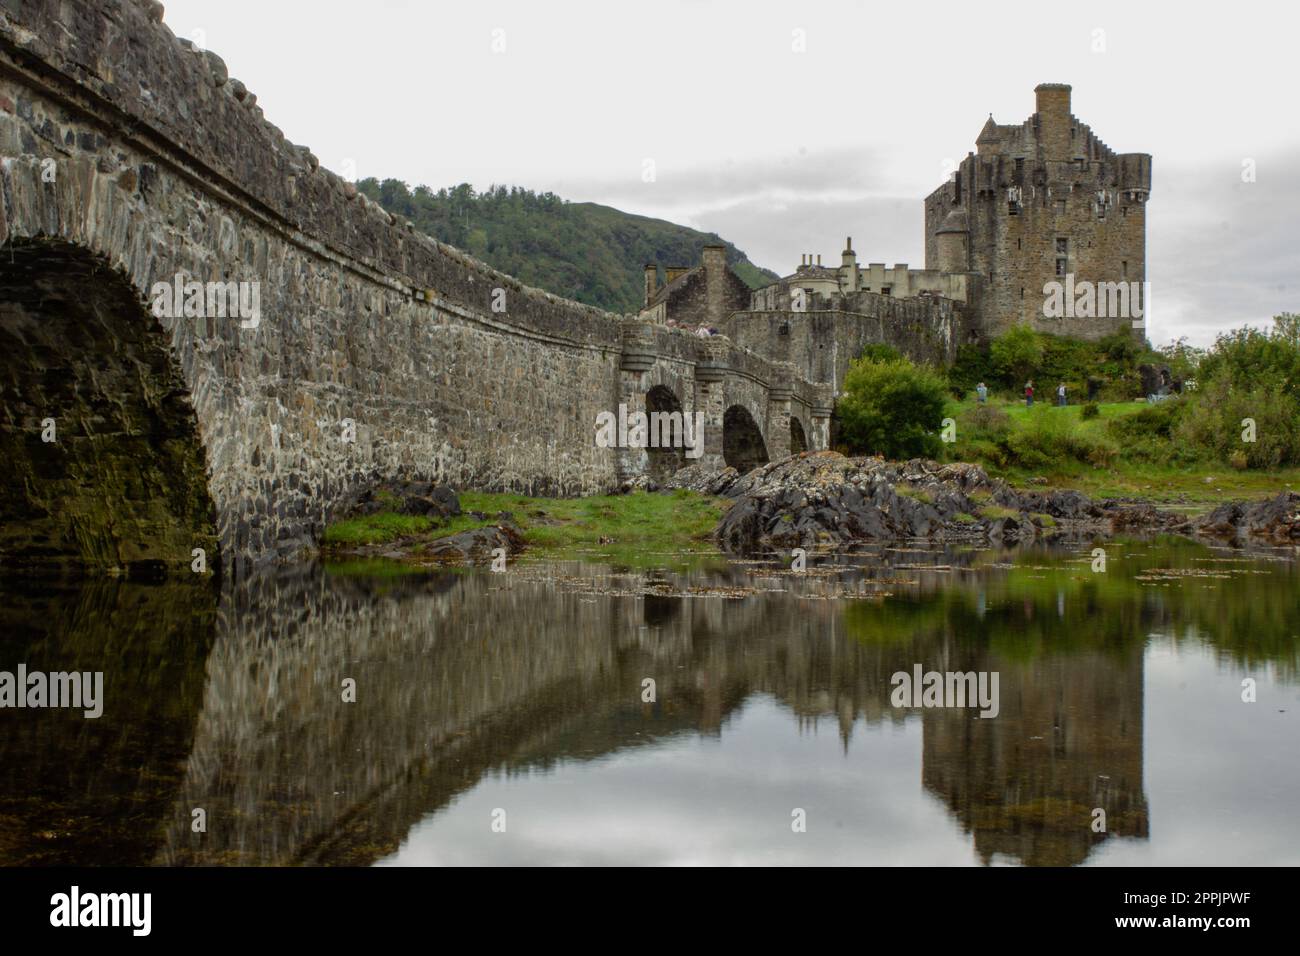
137 426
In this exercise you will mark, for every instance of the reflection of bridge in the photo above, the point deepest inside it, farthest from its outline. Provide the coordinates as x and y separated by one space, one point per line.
462 675
134 159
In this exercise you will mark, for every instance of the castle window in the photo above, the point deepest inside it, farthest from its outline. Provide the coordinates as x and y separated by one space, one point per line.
1013 208
884 289
1061 267
1060 207
1020 171
1123 266
1062 247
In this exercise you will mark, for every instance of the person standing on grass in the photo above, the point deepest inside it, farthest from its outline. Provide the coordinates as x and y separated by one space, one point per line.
1029 393
1060 394
982 393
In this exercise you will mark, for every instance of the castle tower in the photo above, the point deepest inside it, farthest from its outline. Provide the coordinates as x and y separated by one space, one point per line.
1039 203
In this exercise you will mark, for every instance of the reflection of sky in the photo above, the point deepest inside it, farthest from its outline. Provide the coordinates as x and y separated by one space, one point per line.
1221 780
1222 776
718 801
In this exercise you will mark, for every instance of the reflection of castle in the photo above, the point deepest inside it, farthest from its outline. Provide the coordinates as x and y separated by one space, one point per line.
1068 740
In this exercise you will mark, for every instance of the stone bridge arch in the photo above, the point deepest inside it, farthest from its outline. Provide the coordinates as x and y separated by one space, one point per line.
743 445
798 435
103 460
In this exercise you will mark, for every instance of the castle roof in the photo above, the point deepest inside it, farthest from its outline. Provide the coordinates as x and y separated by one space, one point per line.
669 289
955 221
990 133
814 272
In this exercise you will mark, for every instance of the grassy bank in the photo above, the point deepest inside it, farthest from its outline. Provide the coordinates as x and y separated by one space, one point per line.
637 530
1125 449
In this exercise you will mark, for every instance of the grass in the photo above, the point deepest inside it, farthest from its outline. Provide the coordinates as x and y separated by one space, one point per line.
995 512
907 491
377 528
636 530
1198 485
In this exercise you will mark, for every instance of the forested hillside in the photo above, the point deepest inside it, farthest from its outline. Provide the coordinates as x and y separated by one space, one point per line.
594 254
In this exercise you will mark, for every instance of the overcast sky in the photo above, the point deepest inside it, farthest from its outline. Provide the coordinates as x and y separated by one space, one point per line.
785 152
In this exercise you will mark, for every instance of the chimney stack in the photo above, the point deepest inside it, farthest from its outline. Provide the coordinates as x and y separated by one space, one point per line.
651 280
1054 121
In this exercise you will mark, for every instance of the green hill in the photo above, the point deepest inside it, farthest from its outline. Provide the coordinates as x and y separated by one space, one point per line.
594 254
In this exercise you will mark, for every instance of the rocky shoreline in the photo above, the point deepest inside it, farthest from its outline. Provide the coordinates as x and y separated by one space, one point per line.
827 501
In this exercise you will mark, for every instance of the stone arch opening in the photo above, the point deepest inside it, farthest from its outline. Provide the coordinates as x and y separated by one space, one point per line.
743 447
798 438
663 462
104 470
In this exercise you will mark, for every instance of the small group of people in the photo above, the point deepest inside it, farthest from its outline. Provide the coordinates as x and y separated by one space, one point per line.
982 393
702 331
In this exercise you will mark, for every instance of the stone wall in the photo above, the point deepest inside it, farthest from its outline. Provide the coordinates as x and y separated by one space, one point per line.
377 351
821 343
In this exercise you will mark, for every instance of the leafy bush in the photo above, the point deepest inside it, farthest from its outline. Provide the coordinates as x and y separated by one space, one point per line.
1148 435
892 408
1091 410
971 366
1249 374
1016 355
1047 440
1219 424
986 422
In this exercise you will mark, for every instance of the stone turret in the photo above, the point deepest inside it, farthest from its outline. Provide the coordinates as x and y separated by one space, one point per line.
953 237
1055 124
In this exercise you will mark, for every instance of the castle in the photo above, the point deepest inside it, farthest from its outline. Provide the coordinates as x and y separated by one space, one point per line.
1040 202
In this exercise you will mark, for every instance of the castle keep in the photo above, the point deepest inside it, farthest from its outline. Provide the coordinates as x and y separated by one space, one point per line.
1036 203
1042 202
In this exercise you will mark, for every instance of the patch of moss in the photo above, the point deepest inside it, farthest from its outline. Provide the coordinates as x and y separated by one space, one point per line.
998 512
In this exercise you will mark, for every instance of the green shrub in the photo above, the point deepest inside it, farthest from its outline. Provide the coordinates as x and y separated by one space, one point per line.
892 408
1090 410
1219 422
1047 440
985 422
1016 355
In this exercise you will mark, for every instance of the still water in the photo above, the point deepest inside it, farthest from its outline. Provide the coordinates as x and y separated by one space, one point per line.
502 719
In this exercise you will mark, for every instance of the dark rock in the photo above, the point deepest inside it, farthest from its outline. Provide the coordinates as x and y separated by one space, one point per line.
824 499
406 497
1277 519
476 546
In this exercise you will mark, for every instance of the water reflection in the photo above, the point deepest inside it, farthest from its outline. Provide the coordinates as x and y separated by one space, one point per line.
523 692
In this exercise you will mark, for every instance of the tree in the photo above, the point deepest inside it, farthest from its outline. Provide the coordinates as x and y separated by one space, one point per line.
1017 354
891 408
